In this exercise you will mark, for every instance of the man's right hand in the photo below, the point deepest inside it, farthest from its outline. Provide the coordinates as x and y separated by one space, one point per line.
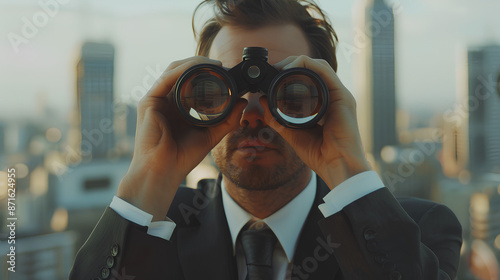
167 147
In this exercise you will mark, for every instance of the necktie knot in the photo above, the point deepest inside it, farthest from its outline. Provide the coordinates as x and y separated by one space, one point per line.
258 245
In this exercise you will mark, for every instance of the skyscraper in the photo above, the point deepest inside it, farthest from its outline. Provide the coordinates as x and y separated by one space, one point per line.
380 78
95 73
483 107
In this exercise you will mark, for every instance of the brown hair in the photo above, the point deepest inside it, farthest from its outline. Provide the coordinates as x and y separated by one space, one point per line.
256 13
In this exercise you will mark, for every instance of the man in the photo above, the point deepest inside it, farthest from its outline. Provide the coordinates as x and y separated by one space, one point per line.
307 195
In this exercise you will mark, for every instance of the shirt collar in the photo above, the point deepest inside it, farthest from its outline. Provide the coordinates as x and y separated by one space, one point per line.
286 223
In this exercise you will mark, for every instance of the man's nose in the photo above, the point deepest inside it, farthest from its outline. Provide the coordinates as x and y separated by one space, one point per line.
253 115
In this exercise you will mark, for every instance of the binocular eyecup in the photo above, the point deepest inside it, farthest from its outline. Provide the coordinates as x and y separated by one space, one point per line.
205 94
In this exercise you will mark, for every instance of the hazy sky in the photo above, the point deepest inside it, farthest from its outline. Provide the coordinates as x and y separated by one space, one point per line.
149 34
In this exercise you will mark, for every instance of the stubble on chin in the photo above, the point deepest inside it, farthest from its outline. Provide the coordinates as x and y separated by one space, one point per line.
259 178
256 177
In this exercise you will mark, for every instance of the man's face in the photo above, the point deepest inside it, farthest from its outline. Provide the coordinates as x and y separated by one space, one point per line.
254 156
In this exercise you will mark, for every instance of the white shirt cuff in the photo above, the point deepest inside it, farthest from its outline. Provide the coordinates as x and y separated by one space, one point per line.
349 191
161 229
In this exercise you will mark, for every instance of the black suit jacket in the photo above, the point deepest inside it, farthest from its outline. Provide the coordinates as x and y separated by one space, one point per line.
375 237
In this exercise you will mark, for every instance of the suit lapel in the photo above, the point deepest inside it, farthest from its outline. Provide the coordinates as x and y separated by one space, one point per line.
205 250
313 258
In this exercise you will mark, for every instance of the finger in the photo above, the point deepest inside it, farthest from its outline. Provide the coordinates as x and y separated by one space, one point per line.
284 62
211 136
169 109
200 59
231 123
174 71
165 106
339 94
321 67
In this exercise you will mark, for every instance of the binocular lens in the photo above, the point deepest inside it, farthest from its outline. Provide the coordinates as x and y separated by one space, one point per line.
298 98
205 95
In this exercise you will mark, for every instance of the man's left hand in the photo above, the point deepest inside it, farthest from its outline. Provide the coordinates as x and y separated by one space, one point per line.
332 148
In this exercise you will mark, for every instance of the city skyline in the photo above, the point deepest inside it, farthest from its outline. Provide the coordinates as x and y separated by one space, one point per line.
61 192
145 54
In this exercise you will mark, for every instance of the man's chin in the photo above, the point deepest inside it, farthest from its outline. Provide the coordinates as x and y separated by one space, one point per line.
257 177
244 177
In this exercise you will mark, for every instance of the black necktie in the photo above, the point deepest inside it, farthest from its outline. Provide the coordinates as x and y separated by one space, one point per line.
258 245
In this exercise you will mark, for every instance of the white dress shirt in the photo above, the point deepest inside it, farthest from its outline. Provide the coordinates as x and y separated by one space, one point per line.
286 223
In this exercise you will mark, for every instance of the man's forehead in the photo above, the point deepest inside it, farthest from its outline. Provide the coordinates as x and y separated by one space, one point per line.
282 41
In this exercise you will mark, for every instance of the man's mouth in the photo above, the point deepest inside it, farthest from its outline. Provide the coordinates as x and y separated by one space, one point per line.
255 144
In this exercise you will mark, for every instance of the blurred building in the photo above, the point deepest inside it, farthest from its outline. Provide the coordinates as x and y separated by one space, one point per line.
483 110
41 257
471 160
380 78
412 170
84 191
89 185
95 74
498 83
456 195
2 140
454 153
25 133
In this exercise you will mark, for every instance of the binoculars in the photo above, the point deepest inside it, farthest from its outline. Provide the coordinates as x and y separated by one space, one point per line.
205 94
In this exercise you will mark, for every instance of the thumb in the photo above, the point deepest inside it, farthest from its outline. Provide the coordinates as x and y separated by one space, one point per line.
231 123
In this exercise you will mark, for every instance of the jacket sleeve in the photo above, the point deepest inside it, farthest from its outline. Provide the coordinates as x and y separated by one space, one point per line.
120 249
380 240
